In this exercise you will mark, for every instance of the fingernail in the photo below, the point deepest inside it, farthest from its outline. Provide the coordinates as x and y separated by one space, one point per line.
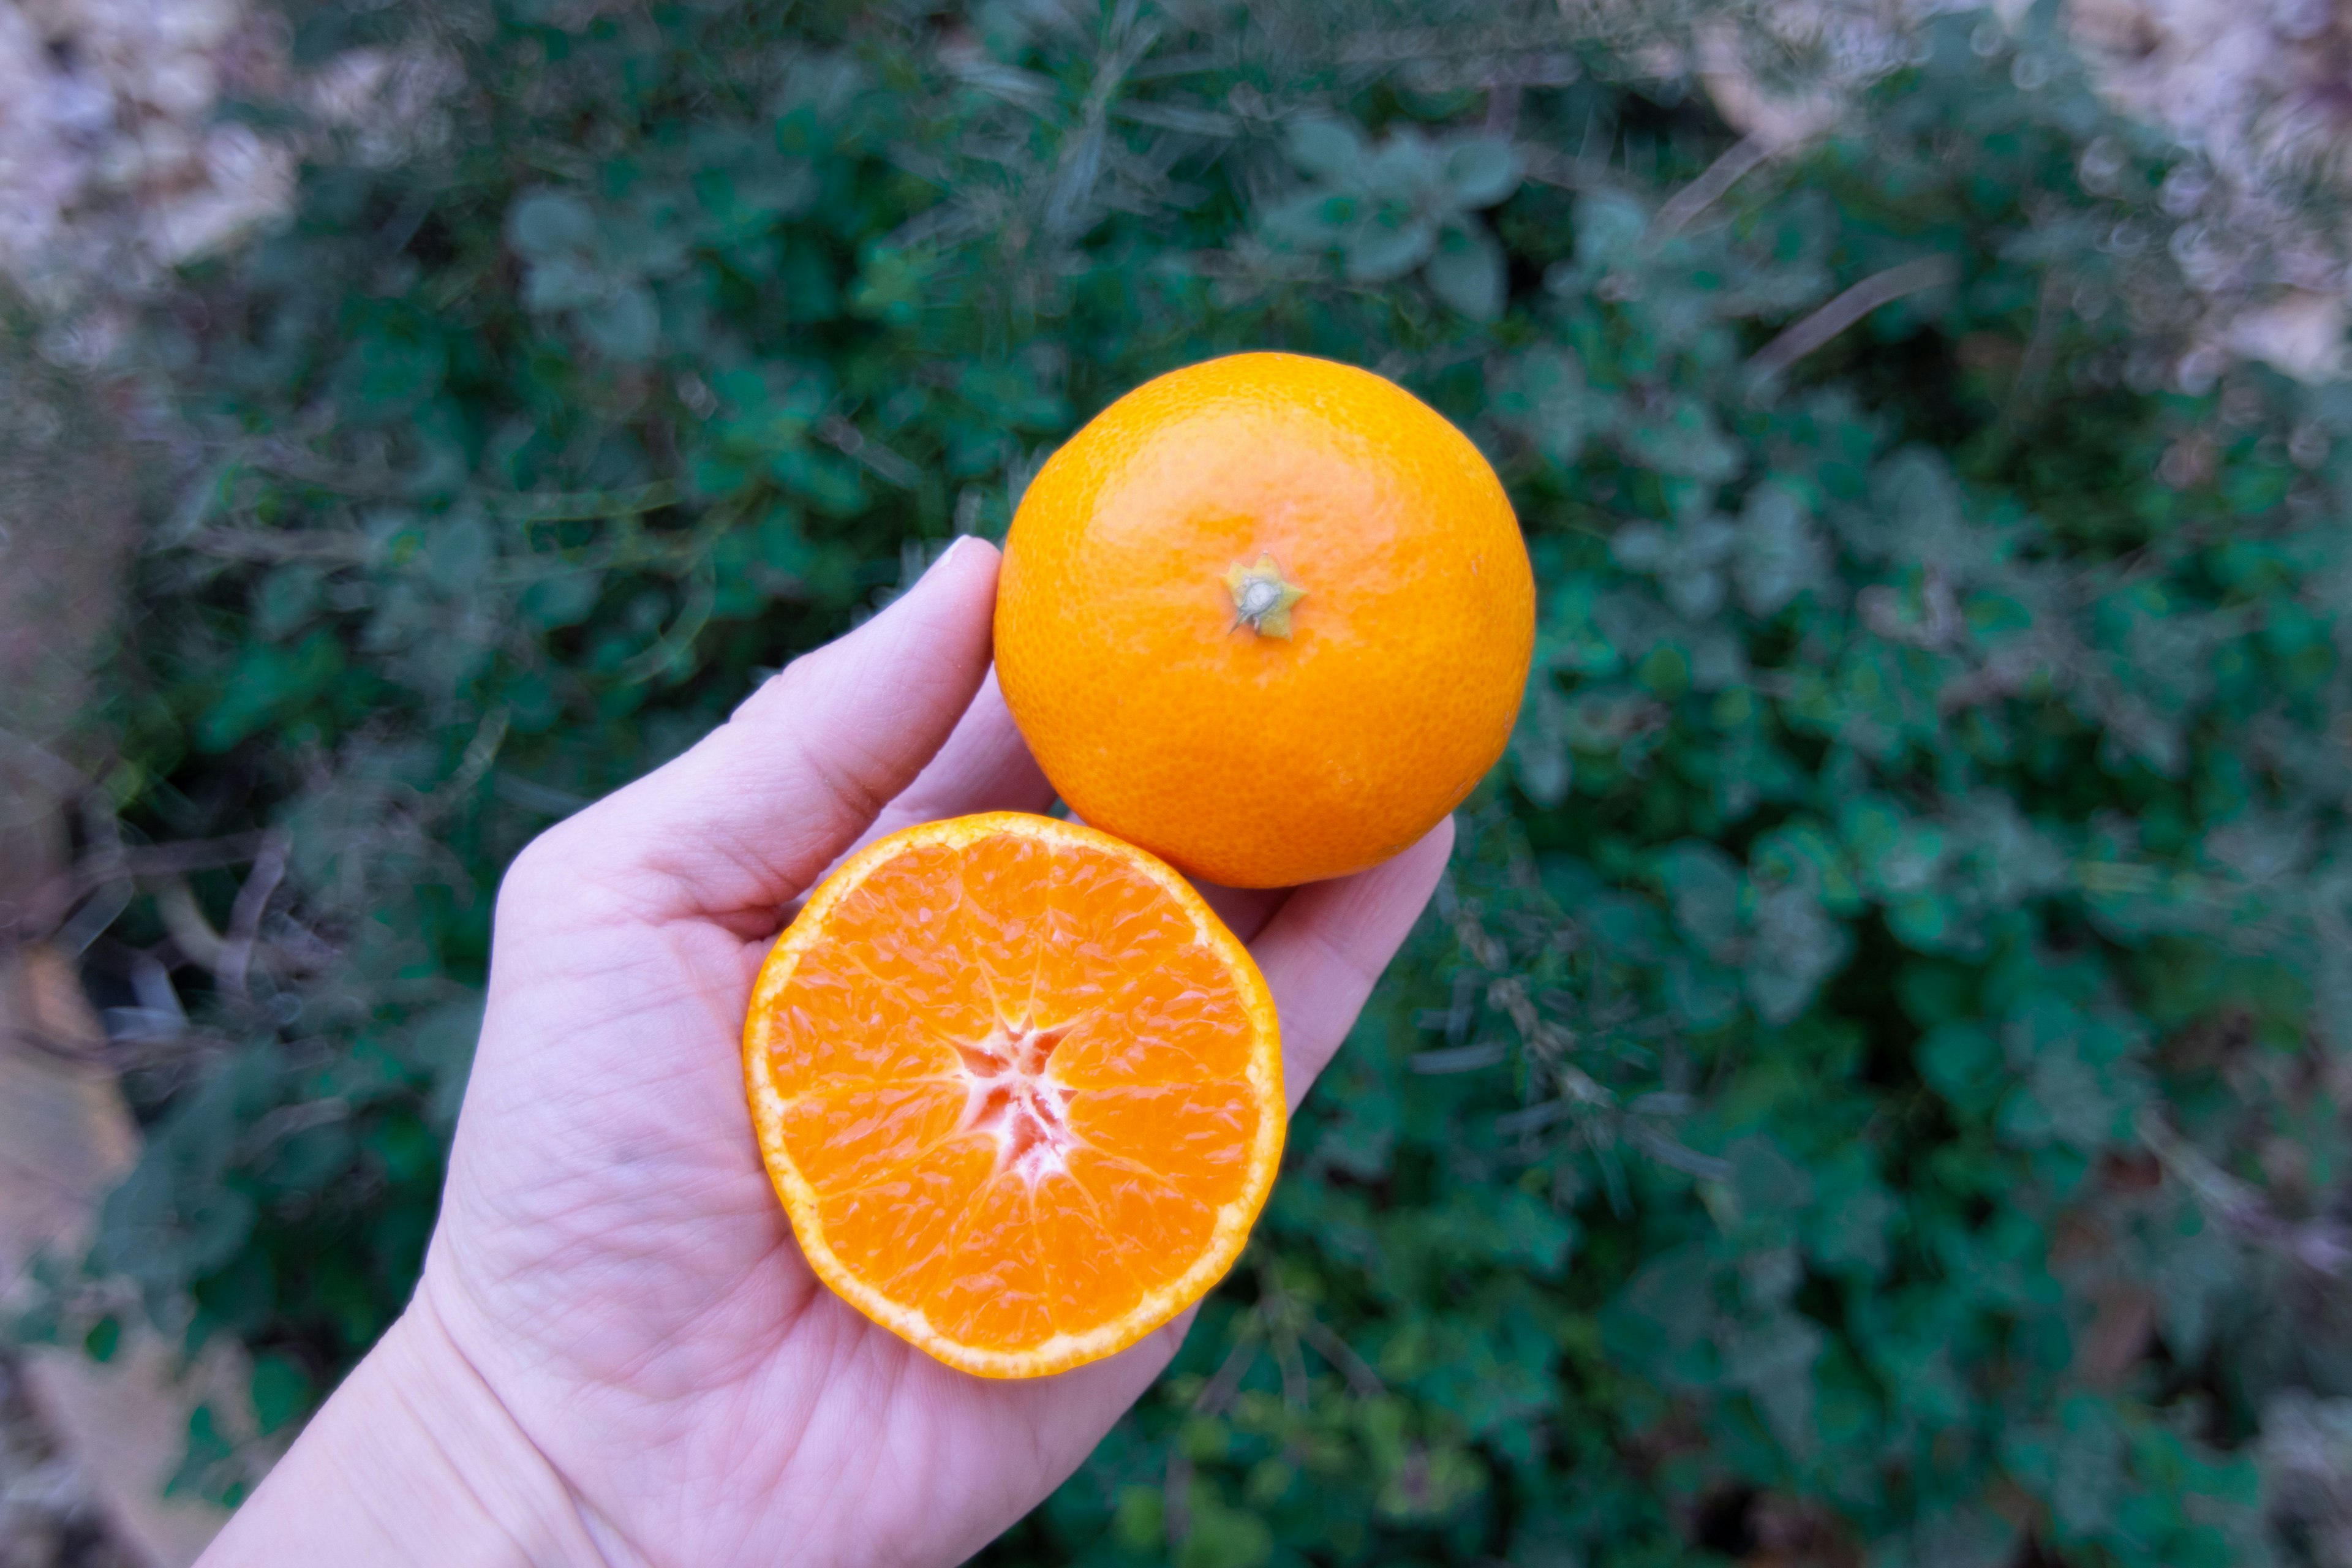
937 562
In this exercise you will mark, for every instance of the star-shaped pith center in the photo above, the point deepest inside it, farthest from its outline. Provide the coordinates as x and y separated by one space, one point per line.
1011 1099
1263 597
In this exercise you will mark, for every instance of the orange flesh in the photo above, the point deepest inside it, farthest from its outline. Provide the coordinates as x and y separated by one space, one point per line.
1019 1088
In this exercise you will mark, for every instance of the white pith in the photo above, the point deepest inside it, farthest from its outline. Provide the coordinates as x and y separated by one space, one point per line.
1010 1094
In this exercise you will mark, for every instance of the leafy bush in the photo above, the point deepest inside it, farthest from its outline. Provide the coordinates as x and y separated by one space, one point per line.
1869 1083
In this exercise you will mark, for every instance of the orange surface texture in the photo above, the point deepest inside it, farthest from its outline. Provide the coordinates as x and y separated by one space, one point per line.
1019 1088
1265 758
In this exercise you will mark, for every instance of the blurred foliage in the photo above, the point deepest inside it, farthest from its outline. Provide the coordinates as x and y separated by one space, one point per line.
1869 1088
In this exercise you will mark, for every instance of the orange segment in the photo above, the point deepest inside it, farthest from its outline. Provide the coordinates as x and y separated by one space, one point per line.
1178 1022
1145 1215
863 1132
1084 1275
1196 1136
897 924
1004 917
899 1227
839 1026
1018 1087
993 1289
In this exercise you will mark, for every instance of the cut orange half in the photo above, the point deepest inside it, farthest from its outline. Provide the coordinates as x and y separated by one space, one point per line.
1019 1088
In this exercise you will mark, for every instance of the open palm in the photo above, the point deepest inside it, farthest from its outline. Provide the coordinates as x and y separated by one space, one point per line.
644 1368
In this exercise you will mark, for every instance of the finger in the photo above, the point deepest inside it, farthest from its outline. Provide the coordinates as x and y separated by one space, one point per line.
1325 950
1246 911
748 817
984 766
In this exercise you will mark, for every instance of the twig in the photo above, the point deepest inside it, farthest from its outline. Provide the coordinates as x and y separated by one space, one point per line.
334 546
176 859
1178 1505
1282 1314
289 461
855 445
201 501
1219 1391
1548 167
1674 1155
1362 1379
190 932
2318 1245
288 1120
244 915
1214 1396
669 649
582 506
2033 366
481 751
1879 288
1746 154
117 1056
113 889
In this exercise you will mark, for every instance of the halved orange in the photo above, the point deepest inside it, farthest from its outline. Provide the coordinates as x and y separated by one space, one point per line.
1019 1088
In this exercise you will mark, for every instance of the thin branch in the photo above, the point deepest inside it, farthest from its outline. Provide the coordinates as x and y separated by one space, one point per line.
151 860
1748 153
339 547
481 752
2319 1245
855 445
669 649
583 506
245 916
1282 1314
1548 166
1878 288
1361 1379
2033 367
101 909
1178 1506
184 920
1215 1396
117 1056
1219 1391
288 1120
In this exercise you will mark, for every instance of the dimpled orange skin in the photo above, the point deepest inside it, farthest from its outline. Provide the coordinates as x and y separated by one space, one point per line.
1249 759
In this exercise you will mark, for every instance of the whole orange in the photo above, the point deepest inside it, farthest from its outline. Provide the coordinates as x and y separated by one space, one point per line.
1268 616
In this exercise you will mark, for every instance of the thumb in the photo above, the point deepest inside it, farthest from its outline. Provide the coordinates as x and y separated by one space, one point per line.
747 818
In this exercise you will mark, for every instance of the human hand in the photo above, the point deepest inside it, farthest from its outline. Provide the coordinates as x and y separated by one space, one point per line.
616 1353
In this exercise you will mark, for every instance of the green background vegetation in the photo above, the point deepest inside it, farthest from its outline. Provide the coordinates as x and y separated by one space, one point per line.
1868 1088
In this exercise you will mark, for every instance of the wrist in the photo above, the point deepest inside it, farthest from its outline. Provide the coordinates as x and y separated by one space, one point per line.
413 1460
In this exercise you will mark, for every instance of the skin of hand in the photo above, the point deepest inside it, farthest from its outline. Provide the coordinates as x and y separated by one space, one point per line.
616 1353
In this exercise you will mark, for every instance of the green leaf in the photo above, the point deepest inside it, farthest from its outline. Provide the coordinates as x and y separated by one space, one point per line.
1465 270
545 224
1481 171
268 685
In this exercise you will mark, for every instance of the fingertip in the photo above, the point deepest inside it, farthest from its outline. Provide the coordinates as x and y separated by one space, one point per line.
967 562
1426 859
958 588
748 816
1443 833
